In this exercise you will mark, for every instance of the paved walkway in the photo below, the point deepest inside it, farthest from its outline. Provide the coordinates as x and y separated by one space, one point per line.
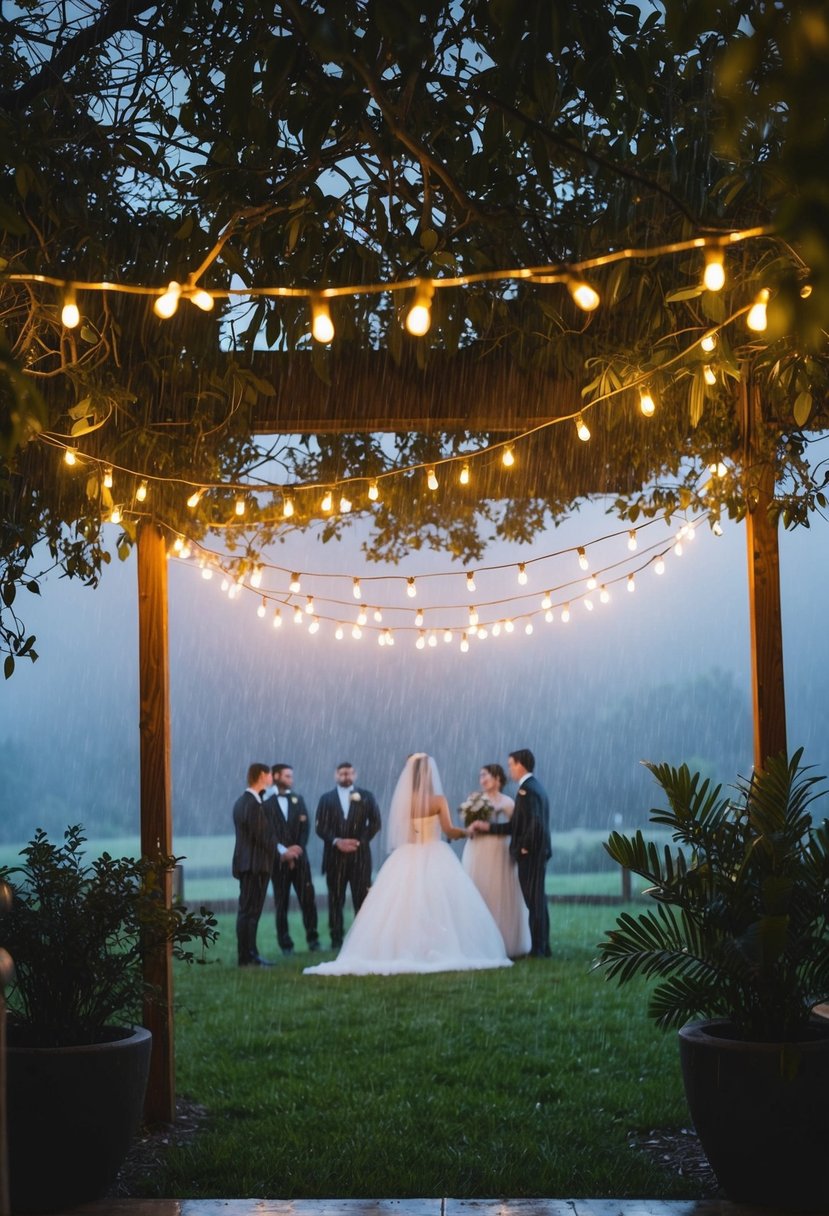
415 1207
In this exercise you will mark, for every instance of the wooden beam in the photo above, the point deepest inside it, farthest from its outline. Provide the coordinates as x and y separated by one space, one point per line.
767 683
156 803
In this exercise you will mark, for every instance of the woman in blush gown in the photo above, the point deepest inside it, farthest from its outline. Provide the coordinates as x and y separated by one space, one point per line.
423 913
494 872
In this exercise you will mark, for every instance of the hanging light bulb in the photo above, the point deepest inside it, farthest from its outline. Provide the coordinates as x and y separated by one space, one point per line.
194 499
108 477
411 588
345 504
373 491
678 550
481 633
356 589
690 532
431 479
565 614
339 633
757 319
633 543
604 594
591 583
713 277
70 313
582 429
588 603
646 403
659 566
178 544
327 501
240 506
381 639
419 617
298 615
709 375
584 296
322 327
508 626
470 580
206 573
522 573
277 619
709 342
294 583
447 636
464 477
419 316
314 626
185 552
549 617
362 615
356 632
421 640
287 507
141 492
631 584
202 299
378 615
496 629
473 615
167 303
262 609
309 605
508 458
433 638
256 577
464 644
528 628
115 515
582 556
547 601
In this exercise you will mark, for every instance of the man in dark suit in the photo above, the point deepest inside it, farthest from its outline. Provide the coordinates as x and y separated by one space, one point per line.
347 820
290 817
252 861
529 832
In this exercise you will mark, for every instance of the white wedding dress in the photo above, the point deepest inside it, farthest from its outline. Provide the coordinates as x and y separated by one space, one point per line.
422 914
487 861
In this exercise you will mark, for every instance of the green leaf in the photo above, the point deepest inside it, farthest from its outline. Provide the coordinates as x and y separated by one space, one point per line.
684 293
8 666
82 409
802 408
88 334
429 240
35 590
82 426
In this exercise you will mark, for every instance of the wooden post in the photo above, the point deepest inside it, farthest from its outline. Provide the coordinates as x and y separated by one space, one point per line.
768 691
156 803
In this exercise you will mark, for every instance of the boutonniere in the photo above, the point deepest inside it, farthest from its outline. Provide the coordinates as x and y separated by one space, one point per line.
294 799
355 797
302 818
523 793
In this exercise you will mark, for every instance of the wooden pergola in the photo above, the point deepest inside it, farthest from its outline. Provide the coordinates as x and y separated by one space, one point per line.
374 394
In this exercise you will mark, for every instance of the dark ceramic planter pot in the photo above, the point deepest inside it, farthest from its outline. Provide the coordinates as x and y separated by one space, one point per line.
762 1114
72 1113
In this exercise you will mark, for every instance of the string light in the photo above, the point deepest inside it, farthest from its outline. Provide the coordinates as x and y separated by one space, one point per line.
167 303
464 477
646 403
70 456
378 615
528 628
659 566
604 594
591 583
588 603
470 580
263 608
70 313
447 636
339 633
356 632
141 492
411 588
294 583
373 491
582 556
345 504
584 296
362 615
327 503
115 515
522 573
473 615
547 600
508 458
757 319
464 644
709 342
633 543
549 616
309 605
322 327
419 316
206 573
240 506
713 277
202 299
277 619
256 577
419 617
433 639
356 589
496 629
314 626
431 479
481 633
565 614
194 499
709 375
508 626
582 429
678 550
108 477
421 640
298 615
631 584
287 507
719 469
185 552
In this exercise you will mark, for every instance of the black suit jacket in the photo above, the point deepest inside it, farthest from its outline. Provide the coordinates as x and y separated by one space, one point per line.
529 827
255 836
362 822
294 830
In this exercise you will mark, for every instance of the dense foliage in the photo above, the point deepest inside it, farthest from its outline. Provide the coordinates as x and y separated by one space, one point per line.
371 140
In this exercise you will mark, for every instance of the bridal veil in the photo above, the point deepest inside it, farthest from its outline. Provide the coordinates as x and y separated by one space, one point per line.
416 786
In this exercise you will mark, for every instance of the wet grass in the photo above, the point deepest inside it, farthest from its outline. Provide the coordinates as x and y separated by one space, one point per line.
522 1082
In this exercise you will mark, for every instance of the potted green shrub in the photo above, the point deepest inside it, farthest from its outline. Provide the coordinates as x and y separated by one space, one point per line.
737 936
77 1063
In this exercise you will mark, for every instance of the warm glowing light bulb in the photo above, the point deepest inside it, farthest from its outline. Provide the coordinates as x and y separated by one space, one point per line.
240 506
202 299
584 296
411 588
378 615
447 635
464 477
298 615
194 499
709 342
646 403
322 327
582 556
464 644
757 319
565 614
167 303
547 601
508 626
419 316
373 491
528 628
481 633
508 458
582 429
592 583
713 277
356 632
631 583
115 515
70 313
262 609
522 573
206 573
473 615
309 605
178 544
108 477
141 492
633 543
722 469
659 566
362 615
327 501
431 479
588 603
470 580
70 456
496 629
433 639
314 626
421 640
549 616
678 549
356 589
381 639
419 617
604 594
277 619
287 508
294 583
345 504
709 375
339 633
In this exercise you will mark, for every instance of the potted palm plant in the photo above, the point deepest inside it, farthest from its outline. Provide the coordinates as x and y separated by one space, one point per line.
77 1063
738 938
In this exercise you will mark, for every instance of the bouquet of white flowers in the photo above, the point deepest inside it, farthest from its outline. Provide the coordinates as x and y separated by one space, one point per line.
476 806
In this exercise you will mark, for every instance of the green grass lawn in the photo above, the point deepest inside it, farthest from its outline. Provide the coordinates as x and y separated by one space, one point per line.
521 1082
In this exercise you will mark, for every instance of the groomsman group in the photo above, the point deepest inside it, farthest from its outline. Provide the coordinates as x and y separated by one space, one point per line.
272 829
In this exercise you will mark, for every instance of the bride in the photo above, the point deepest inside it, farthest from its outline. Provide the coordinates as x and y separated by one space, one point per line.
423 913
